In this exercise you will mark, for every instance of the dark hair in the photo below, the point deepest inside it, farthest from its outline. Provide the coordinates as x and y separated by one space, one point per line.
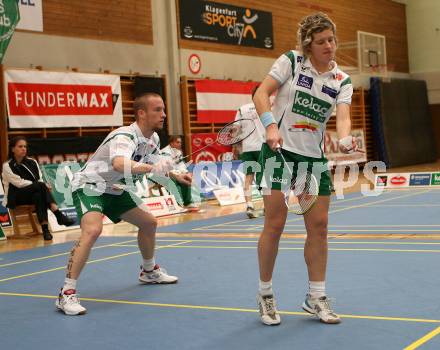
12 143
141 102
173 138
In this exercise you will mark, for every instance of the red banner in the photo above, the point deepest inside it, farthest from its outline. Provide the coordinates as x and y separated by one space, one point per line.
218 100
59 99
214 153
43 99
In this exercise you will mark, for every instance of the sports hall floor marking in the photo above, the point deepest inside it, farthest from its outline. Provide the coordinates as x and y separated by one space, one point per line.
201 228
301 235
221 308
60 254
89 262
301 248
179 244
423 340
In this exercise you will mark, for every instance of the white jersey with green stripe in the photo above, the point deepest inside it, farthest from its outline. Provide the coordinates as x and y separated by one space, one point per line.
305 102
255 139
128 142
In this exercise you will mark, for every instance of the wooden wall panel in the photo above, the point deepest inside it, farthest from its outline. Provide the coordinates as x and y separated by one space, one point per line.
113 20
360 112
376 16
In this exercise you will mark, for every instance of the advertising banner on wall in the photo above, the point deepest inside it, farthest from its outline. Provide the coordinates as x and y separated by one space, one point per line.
214 153
39 99
31 15
225 24
408 180
336 157
9 16
218 100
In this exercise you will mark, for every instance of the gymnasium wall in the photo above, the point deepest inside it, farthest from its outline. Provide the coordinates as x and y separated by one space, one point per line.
424 51
143 36
246 63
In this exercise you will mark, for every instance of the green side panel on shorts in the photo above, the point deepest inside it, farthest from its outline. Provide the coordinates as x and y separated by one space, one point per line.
250 162
113 206
277 178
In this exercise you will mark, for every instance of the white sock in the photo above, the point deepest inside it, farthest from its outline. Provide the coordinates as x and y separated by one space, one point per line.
69 284
148 264
317 289
265 288
250 205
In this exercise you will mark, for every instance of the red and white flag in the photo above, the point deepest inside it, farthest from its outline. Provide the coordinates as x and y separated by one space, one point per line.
39 99
218 100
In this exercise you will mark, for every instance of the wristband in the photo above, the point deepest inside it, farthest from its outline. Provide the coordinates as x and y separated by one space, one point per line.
267 119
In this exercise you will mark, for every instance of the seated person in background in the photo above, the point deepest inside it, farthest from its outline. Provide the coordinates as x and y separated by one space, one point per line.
174 151
24 185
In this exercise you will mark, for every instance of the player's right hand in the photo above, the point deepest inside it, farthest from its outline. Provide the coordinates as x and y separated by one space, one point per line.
162 167
273 137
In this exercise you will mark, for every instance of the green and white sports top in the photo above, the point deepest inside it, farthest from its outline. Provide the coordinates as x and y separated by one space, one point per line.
305 102
126 141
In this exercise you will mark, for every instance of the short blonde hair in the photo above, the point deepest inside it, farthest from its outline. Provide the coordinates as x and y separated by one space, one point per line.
309 25
141 102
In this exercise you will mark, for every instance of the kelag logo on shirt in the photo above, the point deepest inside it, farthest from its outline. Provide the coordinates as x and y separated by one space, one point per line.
305 81
310 106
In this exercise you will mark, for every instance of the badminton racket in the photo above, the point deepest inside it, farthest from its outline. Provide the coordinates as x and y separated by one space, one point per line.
303 191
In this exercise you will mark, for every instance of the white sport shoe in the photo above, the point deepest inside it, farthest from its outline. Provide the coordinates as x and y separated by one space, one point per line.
157 276
321 308
251 213
193 207
268 310
68 302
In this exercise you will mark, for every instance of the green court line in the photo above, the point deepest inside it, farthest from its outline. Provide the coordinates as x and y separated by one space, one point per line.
88 262
423 340
291 230
60 254
366 204
221 308
406 205
301 248
300 242
247 220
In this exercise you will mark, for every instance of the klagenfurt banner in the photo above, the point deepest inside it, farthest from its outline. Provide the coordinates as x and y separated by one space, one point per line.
40 99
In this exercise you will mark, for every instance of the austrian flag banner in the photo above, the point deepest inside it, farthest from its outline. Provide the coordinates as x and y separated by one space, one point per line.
39 99
218 100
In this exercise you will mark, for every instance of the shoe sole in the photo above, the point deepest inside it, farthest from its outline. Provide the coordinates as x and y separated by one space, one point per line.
144 282
59 308
270 324
312 312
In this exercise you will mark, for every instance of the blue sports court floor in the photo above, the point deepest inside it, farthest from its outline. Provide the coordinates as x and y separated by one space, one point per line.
383 262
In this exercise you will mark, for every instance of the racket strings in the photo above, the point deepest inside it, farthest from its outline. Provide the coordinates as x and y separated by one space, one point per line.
303 191
235 132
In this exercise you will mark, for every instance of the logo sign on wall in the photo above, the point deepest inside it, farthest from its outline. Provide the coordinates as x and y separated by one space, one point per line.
31 15
194 63
420 179
435 179
225 24
38 99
